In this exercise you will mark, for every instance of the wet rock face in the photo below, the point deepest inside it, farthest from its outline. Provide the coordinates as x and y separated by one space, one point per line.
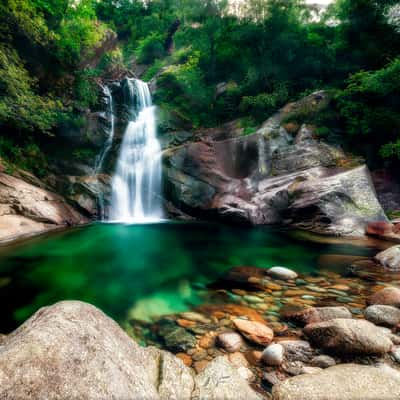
27 207
270 177
72 350
344 382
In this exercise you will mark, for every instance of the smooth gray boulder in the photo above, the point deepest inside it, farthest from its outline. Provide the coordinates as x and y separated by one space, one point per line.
349 336
342 382
382 315
72 350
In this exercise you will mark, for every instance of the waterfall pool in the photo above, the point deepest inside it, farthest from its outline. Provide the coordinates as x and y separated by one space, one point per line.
148 269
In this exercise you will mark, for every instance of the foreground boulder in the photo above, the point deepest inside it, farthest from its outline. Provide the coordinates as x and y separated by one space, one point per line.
383 315
27 207
349 336
72 350
273 177
342 382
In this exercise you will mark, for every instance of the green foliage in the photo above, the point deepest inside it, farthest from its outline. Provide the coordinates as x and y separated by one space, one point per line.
150 48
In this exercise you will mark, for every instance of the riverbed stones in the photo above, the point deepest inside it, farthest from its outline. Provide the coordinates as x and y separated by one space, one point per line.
390 258
342 382
349 336
176 338
254 331
273 354
316 314
297 350
382 315
389 296
282 273
230 341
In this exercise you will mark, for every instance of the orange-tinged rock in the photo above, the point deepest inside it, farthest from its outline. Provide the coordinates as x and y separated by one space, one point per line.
233 310
184 323
254 331
187 360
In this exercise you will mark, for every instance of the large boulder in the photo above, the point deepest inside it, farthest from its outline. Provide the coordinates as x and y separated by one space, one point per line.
269 177
28 207
342 382
389 296
349 336
72 350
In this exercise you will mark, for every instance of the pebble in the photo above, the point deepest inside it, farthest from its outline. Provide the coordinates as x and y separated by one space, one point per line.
300 282
344 299
254 331
273 354
282 273
187 360
196 317
230 341
252 299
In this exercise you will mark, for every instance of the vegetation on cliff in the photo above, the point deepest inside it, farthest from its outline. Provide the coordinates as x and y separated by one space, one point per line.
212 64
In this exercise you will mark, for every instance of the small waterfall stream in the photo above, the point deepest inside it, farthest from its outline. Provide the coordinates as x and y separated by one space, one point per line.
136 184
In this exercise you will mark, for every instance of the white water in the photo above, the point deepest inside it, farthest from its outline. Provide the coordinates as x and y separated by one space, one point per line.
99 161
136 185
107 145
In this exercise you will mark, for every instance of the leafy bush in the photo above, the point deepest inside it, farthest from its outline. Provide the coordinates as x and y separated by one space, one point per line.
150 48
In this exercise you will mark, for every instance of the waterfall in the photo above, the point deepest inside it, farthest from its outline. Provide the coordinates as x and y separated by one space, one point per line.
99 161
136 185
107 144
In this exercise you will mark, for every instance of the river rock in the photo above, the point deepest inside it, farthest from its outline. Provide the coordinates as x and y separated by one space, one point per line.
221 380
254 331
389 296
323 361
230 341
28 207
348 336
390 258
382 315
316 314
273 354
342 382
176 338
297 350
72 350
282 273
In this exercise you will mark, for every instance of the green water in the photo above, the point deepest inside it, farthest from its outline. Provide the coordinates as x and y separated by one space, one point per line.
141 269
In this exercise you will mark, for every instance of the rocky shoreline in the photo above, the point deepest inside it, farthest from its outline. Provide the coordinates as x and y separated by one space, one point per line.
261 334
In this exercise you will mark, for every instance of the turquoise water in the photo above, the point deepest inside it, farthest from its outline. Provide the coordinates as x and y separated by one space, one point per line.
142 270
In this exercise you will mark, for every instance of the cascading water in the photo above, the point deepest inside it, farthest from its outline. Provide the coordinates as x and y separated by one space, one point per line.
108 143
99 161
136 185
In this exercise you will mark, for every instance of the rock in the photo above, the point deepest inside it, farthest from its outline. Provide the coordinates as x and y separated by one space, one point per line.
282 273
342 382
389 296
348 336
390 258
73 350
382 315
220 380
316 314
176 338
28 207
271 180
230 341
254 331
273 354
323 361
297 350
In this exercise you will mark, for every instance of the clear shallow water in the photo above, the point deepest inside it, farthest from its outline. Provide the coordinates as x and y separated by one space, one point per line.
143 270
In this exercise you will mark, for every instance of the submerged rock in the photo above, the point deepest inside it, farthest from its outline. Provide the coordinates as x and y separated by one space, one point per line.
316 314
282 273
342 382
254 331
230 341
349 336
